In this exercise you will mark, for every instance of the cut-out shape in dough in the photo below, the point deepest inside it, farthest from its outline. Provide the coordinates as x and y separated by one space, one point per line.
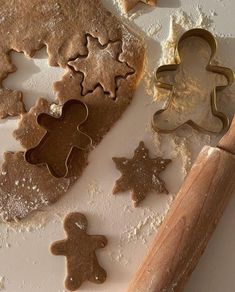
79 249
103 111
140 174
60 25
101 66
63 136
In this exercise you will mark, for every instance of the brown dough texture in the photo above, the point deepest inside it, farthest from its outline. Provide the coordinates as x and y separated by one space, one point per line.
140 174
25 187
104 111
62 138
104 57
130 4
62 26
79 249
10 102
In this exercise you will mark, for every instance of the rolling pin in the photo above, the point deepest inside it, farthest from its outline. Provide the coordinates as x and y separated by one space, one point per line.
191 220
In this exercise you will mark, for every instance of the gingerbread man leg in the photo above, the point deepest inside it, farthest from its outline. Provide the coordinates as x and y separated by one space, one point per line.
209 122
72 282
172 118
169 120
98 274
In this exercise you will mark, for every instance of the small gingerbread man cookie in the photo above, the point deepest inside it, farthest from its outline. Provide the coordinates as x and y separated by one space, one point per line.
193 86
79 249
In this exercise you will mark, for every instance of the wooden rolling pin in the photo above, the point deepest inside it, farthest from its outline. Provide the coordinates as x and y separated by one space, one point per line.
191 220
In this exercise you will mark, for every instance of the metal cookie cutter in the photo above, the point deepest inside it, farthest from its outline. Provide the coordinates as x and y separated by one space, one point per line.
226 72
63 135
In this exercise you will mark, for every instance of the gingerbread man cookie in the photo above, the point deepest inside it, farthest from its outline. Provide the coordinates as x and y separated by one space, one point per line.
61 139
79 249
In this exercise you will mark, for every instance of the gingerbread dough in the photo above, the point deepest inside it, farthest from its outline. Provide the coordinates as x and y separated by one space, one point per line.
140 174
10 102
94 66
25 187
62 139
103 111
79 249
61 25
130 4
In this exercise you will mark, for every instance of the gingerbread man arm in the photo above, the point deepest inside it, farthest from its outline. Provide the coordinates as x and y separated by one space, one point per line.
59 248
99 241
46 121
82 140
229 75
224 71
162 76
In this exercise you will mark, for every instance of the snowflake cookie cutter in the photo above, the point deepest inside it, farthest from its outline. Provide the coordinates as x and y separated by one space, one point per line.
62 137
224 71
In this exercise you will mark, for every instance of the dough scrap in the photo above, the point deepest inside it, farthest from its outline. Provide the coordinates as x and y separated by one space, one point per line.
28 126
101 66
130 4
25 188
60 25
140 174
79 249
11 103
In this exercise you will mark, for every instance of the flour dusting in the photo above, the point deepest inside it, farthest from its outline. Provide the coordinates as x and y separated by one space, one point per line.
138 233
180 21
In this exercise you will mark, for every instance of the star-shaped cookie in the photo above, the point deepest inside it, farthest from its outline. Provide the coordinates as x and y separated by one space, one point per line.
101 66
130 4
79 249
140 174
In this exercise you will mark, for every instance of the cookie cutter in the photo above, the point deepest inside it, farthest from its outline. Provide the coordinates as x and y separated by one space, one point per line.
63 135
226 72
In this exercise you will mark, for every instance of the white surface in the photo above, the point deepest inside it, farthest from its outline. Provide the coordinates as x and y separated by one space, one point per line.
26 263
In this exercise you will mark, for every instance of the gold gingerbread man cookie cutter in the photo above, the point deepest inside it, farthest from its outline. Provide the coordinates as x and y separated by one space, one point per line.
226 72
63 135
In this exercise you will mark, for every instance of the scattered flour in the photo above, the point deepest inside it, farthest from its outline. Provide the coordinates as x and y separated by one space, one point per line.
184 145
153 29
55 109
140 232
93 191
180 21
